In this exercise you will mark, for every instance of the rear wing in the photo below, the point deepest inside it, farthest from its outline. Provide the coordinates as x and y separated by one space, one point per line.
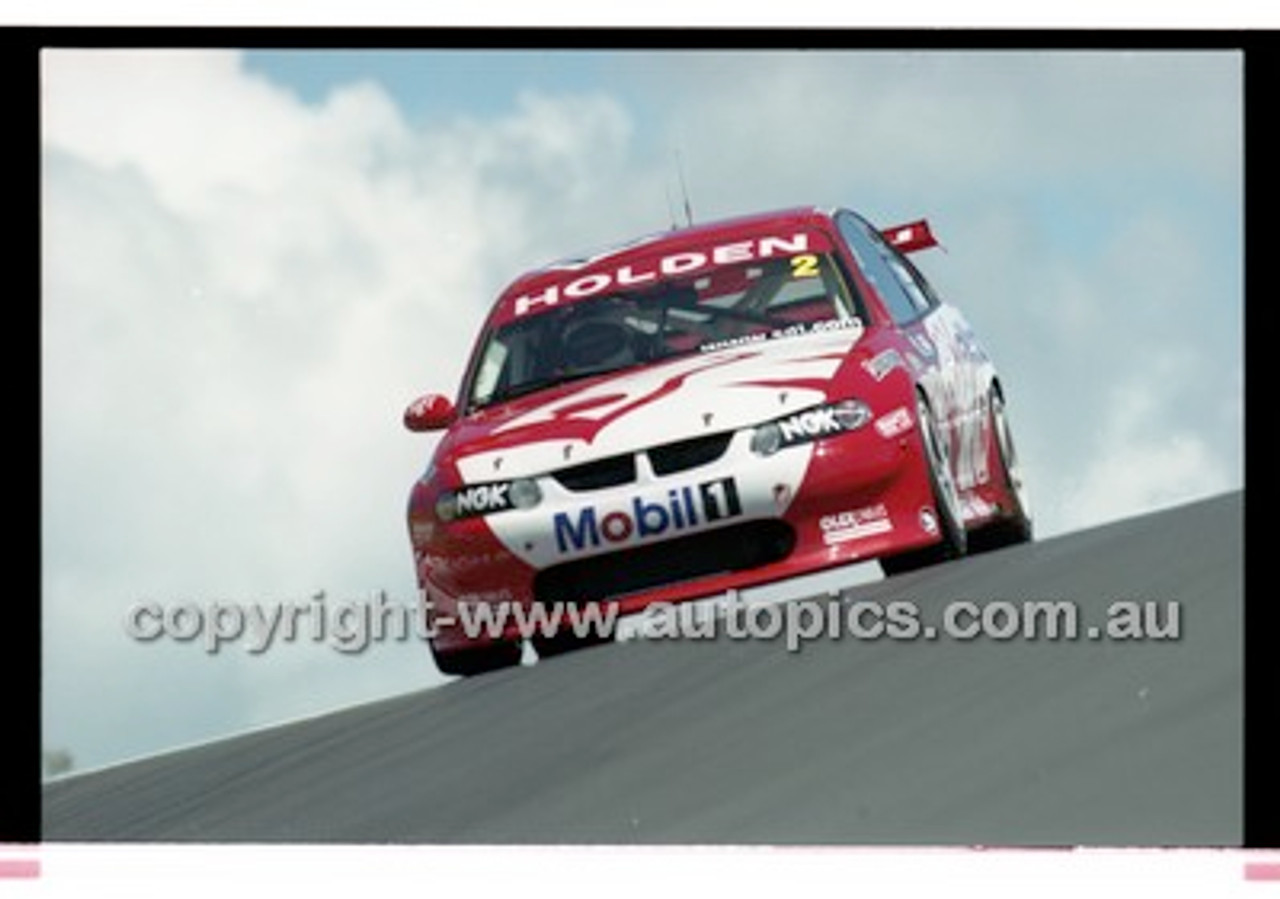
911 237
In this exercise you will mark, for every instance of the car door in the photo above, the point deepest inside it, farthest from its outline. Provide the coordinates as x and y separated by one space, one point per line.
937 344
971 372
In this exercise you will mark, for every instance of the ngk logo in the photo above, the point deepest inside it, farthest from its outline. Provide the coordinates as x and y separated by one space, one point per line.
482 498
683 508
814 423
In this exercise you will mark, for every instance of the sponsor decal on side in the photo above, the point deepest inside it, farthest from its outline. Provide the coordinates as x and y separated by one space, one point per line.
975 507
891 424
882 363
683 508
855 524
967 342
922 344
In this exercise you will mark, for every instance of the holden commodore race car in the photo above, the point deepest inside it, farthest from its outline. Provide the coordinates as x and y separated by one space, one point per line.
708 408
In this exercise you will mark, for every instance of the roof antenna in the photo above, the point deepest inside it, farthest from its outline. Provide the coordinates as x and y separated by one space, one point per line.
671 210
684 191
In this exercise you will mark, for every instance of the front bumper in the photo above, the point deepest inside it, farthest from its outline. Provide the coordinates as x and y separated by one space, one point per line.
737 521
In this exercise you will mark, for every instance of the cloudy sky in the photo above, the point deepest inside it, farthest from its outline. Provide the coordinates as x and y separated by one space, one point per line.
253 261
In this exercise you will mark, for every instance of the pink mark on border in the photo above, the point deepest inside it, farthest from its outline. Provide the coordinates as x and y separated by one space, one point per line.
17 868
1262 871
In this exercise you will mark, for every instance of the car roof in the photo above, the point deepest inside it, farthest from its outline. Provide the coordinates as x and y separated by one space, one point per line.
694 236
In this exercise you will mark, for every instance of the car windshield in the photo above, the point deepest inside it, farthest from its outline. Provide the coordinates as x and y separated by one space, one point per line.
726 306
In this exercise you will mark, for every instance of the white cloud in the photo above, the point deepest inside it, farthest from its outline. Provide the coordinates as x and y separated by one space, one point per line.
905 131
241 294
1141 461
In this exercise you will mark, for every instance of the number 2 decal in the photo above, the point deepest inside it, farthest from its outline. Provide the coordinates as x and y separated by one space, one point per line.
804 266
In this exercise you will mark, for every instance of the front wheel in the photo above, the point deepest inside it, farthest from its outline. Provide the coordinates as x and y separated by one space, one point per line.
473 660
946 501
1015 525
566 641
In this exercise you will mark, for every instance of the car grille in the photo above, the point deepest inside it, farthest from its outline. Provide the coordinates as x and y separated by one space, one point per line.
612 472
687 454
738 547
666 459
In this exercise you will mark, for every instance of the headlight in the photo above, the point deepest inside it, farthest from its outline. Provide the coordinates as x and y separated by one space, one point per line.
446 506
811 424
524 493
767 439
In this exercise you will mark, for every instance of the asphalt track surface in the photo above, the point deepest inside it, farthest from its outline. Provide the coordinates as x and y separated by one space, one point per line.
943 742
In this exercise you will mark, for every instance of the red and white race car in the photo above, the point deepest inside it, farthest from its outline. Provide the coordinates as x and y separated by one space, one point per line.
703 409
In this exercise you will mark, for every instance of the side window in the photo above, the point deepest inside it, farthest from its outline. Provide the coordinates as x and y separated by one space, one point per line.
906 298
912 282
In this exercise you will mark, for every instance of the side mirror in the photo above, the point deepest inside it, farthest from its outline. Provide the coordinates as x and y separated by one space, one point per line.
432 412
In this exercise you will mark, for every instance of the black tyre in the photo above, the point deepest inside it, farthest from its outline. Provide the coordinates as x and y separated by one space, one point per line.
946 501
477 659
565 641
1015 527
